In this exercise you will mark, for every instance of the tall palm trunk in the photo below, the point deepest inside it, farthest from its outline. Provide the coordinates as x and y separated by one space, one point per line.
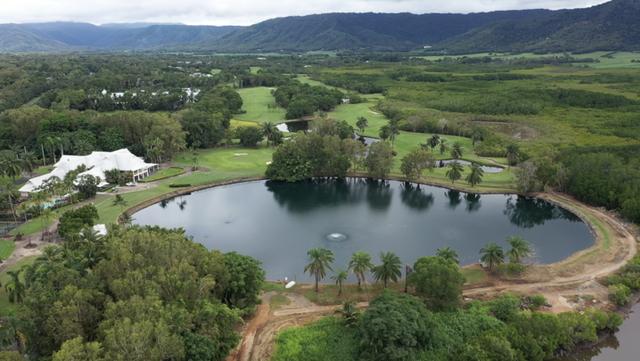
317 280
13 210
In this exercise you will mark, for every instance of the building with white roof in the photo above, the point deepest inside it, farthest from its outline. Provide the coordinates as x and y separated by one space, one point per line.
96 163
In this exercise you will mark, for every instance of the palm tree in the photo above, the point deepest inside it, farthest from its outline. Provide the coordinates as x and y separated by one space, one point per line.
443 146
10 165
15 288
513 154
360 264
492 255
449 254
320 261
340 277
8 188
389 270
519 249
477 135
455 171
361 124
268 129
475 177
456 150
434 141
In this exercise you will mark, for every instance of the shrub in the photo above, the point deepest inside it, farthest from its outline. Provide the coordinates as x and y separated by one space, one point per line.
249 136
619 294
505 308
534 302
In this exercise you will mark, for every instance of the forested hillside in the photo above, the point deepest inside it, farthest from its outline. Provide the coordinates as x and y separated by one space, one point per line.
610 26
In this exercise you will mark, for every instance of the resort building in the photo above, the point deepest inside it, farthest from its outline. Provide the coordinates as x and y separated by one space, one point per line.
96 164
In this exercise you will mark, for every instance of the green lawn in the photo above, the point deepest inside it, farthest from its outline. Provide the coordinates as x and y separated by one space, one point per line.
256 104
221 164
6 248
7 308
163 174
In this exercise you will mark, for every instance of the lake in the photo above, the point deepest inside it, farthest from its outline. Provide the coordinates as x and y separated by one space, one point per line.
278 222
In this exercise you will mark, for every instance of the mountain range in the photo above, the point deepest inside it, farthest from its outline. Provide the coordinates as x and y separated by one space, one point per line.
609 26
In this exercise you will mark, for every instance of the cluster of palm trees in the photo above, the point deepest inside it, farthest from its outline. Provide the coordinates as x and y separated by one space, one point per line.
493 255
388 270
320 260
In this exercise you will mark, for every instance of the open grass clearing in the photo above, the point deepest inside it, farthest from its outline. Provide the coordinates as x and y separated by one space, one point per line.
260 106
6 248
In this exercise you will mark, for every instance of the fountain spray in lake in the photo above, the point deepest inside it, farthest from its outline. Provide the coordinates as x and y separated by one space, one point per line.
336 237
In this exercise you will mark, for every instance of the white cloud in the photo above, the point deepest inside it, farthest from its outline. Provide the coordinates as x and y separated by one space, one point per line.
242 12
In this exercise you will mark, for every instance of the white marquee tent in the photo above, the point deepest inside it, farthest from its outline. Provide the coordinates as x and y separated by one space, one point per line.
96 163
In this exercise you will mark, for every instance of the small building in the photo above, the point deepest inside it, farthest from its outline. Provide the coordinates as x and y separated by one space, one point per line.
96 164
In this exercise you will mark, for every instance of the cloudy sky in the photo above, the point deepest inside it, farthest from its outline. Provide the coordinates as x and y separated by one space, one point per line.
242 12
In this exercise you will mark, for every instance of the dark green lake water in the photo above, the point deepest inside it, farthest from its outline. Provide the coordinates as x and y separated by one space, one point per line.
278 222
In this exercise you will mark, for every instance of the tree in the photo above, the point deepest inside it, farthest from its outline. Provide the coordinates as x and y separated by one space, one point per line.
415 162
360 264
8 190
475 176
389 269
449 254
513 154
10 165
443 146
119 201
15 288
434 141
340 277
477 135
379 160
77 350
362 123
73 221
395 327
492 255
456 150
519 249
87 186
454 172
249 136
271 132
320 260
204 130
244 282
439 282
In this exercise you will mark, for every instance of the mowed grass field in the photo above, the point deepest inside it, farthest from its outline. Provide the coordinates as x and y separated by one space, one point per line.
259 106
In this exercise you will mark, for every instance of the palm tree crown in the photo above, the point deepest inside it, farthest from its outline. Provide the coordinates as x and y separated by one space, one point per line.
456 151
476 174
360 264
320 260
519 249
389 270
448 253
340 277
492 255
455 171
